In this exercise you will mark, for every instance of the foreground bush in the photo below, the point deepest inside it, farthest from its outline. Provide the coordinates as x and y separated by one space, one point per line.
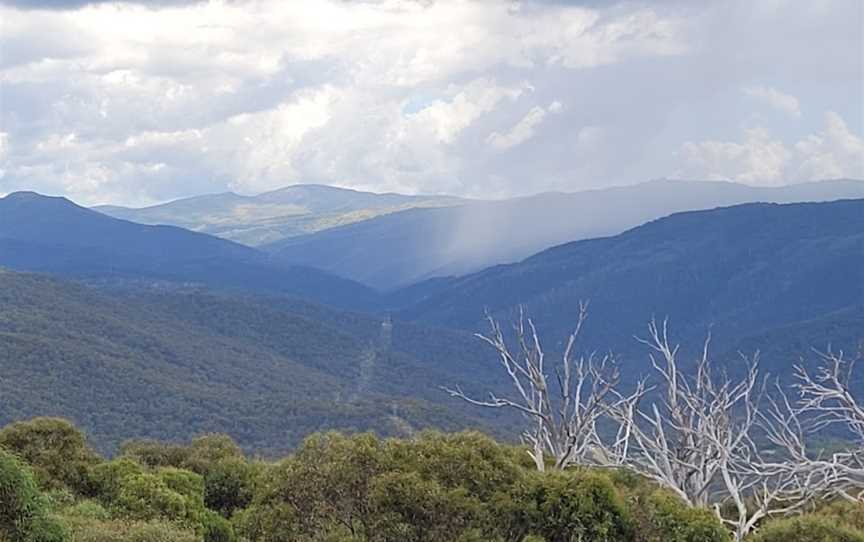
845 513
434 487
23 510
56 451
578 506
89 530
437 488
666 519
806 529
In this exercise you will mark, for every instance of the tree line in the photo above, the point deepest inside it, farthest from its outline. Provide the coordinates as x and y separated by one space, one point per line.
433 487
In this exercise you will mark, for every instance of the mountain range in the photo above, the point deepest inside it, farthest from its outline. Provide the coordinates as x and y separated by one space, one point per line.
743 271
393 251
164 332
279 214
54 235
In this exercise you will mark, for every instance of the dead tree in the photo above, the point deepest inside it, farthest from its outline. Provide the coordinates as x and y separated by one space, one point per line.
562 410
696 437
827 398
696 433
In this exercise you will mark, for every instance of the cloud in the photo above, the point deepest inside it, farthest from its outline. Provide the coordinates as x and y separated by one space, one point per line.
524 129
75 4
833 153
135 103
447 118
756 160
776 99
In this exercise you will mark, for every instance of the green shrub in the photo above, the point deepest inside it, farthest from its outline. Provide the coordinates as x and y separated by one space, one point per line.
23 509
407 507
153 453
88 510
664 518
56 451
147 496
106 479
184 482
215 528
59 498
269 520
469 460
806 529
208 450
578 506
229 485
129 531
848 514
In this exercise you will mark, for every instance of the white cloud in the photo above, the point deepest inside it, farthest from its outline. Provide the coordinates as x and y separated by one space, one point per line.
776 99
415 96
447 118
524 129
758 159
834 152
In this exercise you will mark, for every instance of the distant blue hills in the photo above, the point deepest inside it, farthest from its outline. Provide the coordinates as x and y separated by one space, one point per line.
170 323
54 235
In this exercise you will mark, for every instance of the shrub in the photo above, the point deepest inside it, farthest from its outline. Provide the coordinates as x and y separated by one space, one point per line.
186 483
848 514
56 451
129 531
153 453
215 528
88 510
208 450
106 479
229 485
147 496
470 460
407 507
806 529
664 518
23 510
578 506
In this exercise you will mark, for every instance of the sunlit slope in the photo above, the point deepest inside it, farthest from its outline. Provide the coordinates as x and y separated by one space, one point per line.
272 216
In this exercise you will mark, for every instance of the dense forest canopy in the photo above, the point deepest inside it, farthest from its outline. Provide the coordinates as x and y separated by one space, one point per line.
434 487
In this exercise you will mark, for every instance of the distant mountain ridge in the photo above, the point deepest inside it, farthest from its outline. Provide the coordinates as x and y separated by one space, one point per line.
393 251
184 332
741 271
275 215
54 235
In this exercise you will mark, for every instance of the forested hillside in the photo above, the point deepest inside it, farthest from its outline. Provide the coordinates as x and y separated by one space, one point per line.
53 235
169 364
743 271
160 357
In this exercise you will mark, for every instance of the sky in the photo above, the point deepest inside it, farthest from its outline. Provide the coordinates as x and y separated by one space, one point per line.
137 103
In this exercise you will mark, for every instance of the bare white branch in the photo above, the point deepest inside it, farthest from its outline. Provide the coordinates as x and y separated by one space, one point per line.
563 409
